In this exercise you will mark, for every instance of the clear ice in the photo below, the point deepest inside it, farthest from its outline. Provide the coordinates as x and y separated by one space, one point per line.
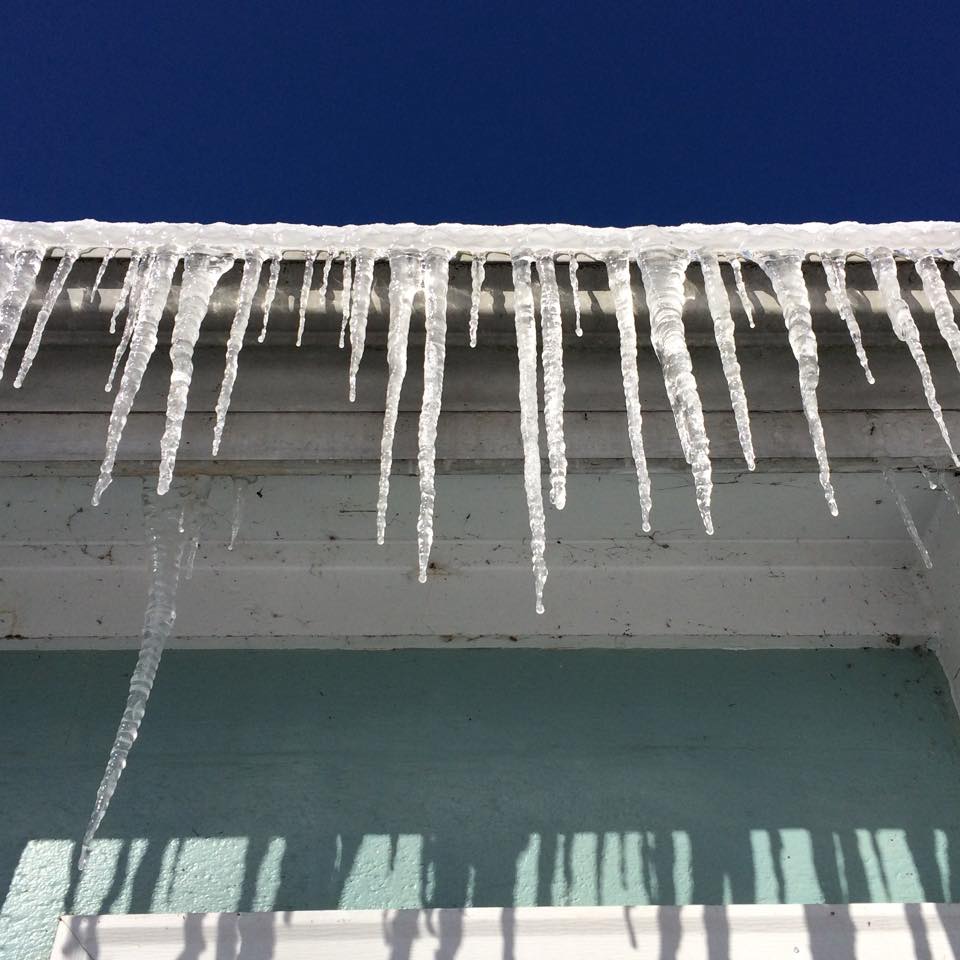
575 293
523 317
18 273
936 291
133 266
719 305
908 521
551 329
270 294
346 285
835 270
436 269
785 271
309 258
362 287
477 274
742 290
905 327
104 263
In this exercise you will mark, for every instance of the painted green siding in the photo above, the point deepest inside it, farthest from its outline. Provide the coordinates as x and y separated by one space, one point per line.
282 780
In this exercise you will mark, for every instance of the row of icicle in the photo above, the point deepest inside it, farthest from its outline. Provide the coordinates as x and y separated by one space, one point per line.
149 278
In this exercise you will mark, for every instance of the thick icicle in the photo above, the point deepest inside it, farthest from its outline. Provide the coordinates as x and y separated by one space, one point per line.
104 263
136 271
663 273
159 276
308 260
905 327
270 294
575 293
200 276
252 267
436 271
618 277
166 542
742 290
553 389
723 329
478 268
523 315
936 291
18 273
785 271
908 521
362 286
133 267
835 270
59 278
346 285
405 276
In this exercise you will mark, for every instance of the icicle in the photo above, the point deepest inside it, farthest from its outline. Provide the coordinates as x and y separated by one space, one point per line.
435 274
925 473
947 488
575 292
723 329
835 270
166 544
104 263
325 281
742 291
905 327
133 267
663 274
159 276
618 278
136 271
936 291
346 284
478 268
252 267
18 273
271 292
200 276
362 285
523 316
308 259
405 275
785 271
908 520
239 491
67 261
553 389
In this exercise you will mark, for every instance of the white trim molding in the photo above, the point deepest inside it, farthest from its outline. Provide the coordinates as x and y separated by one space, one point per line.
739 932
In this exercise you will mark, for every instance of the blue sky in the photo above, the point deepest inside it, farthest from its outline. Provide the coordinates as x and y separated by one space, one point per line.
483 112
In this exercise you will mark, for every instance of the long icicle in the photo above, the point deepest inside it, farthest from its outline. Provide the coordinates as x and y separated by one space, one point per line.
618 278
905 327
478 269
435 277
551 328
523 316
309 258
167 541
346 285
16 282
325 280
835 270
362 287
908 520
252 268
270 294
135 273
104 263
742 290
575 292
785 271
405 278
663 273
133 267
50 298
142 344
723 329
936 291
201 273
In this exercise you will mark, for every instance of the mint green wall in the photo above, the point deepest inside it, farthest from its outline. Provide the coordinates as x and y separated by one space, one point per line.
316 780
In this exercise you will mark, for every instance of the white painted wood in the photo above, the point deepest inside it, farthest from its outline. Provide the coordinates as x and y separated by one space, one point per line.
739 932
